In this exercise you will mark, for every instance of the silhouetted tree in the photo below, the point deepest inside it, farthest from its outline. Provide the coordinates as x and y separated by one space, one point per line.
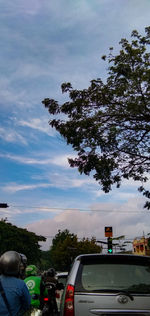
108 124
65 247
20 240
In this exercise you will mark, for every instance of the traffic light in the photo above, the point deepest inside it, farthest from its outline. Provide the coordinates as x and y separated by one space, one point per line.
3 205
109 244
108 231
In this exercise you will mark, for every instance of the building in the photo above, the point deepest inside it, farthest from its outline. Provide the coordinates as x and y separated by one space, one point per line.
141 246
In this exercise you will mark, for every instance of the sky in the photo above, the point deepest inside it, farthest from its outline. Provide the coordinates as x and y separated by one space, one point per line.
44 43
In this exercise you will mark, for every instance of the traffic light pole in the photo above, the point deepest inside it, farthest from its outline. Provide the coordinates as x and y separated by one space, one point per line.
109 245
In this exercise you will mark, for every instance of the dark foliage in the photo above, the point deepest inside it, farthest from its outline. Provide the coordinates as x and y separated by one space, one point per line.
20 240
65 247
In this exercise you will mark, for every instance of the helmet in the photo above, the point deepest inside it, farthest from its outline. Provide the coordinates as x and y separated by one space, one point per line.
31 270
23 265
10 263
51 272
23 259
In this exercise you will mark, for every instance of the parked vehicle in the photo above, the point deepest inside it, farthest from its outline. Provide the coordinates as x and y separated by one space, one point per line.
62 278
106 285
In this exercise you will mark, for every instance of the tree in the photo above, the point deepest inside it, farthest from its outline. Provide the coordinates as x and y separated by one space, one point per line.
65 247
108 123
20 240
45 260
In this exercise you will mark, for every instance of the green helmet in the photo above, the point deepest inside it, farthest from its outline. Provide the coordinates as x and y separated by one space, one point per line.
31 270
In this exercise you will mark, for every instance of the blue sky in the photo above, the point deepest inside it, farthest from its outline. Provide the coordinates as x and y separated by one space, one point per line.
43 44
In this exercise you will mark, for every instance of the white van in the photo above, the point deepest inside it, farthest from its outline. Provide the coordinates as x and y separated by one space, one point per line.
106 285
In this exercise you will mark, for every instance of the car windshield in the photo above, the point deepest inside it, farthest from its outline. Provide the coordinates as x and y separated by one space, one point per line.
115 277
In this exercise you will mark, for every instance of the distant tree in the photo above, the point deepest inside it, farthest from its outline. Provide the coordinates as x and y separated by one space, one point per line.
108 124
87 245
20 240
45 260
65 247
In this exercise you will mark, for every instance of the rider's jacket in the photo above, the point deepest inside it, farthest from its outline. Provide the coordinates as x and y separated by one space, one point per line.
34 286
50 280
17 295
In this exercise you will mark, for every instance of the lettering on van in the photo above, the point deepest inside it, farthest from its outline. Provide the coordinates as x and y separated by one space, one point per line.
85 301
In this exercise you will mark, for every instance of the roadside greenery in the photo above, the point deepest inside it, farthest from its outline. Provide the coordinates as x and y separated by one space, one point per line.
66 246
20 240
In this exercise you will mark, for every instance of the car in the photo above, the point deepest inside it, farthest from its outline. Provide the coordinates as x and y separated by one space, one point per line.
62 278
107 285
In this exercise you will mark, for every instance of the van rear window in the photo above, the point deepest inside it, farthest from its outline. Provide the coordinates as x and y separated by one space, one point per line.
113 277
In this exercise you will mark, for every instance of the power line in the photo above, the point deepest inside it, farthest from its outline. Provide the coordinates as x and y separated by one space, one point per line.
100 241
79 209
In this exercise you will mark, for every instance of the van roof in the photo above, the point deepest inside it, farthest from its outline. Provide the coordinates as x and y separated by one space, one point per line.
112 257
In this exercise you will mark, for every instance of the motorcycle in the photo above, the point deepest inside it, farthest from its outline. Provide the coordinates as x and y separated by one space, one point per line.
36 312
49 302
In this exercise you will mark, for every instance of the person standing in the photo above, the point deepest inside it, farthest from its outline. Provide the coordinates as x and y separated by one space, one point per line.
14 295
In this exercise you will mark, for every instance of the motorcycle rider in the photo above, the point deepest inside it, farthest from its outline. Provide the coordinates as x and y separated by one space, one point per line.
49 276
35 286
51 285
14 295
23 266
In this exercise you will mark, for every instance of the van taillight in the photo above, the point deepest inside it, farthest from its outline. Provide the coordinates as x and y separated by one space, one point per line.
69 301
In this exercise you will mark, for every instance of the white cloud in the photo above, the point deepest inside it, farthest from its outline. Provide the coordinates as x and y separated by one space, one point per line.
40 124
62 160
60 181
24 160
20 7
13 187
11 136
58 160
66 181
128 219
31 70
67 177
